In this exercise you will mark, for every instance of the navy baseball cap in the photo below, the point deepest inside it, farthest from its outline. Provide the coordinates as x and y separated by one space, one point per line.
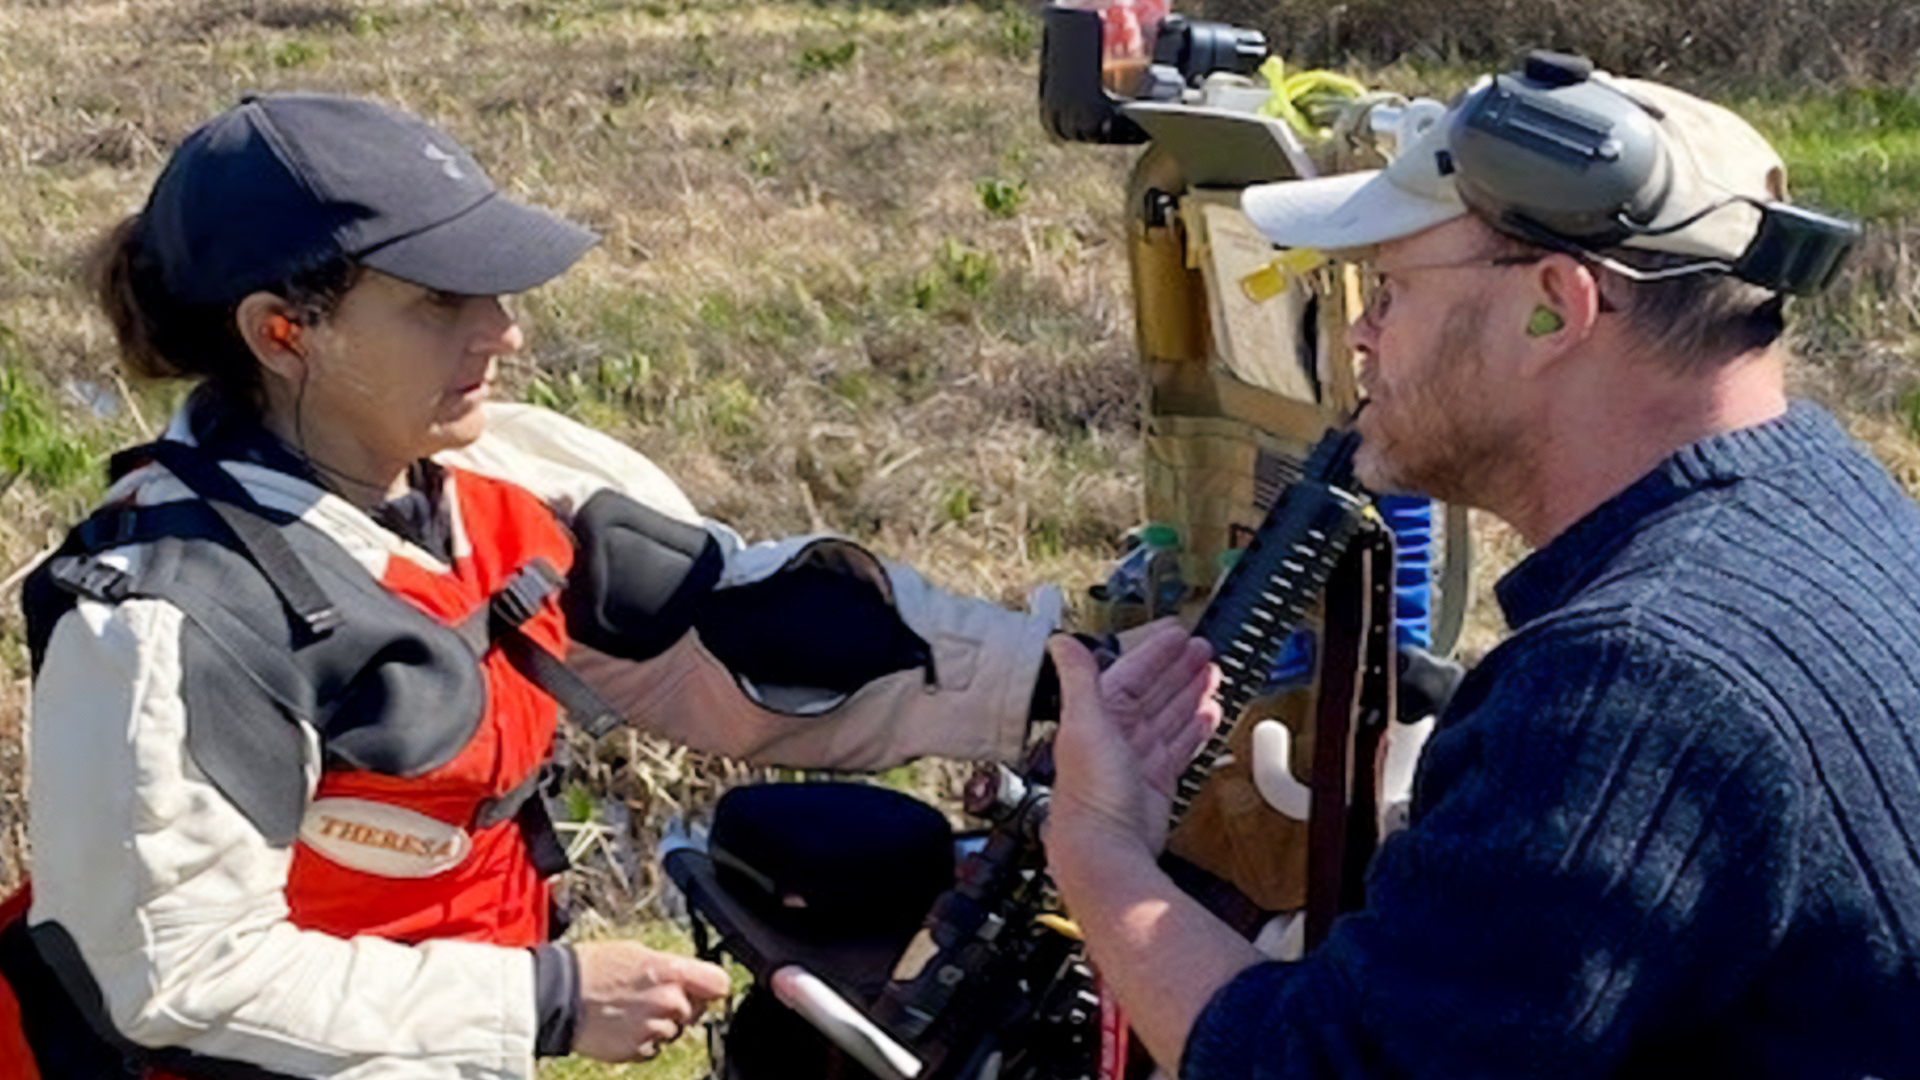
285 182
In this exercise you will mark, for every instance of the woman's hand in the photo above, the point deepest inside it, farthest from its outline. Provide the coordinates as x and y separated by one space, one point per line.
1127 732
635 1000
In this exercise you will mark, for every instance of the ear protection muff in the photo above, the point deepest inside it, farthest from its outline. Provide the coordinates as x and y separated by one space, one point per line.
1557 158
1573 156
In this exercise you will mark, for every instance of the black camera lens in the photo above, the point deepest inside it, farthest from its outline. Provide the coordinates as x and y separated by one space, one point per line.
1199 49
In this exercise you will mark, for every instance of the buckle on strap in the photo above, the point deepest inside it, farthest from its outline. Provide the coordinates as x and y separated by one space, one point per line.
521 597
89 577
512 606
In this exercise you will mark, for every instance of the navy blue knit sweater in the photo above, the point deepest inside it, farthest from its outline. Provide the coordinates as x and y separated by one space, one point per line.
1670 827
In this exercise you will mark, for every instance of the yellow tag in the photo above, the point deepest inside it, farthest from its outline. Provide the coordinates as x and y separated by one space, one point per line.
1265 283
1301 260
1272 279
1063 927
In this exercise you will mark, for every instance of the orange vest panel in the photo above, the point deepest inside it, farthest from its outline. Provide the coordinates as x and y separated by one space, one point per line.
495 894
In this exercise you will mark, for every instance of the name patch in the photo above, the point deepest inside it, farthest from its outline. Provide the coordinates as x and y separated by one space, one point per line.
389 841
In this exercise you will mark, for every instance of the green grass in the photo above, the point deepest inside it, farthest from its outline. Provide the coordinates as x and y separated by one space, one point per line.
1856 151
1001 198
35 445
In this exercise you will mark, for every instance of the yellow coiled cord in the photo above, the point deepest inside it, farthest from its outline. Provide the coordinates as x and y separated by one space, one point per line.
1292 93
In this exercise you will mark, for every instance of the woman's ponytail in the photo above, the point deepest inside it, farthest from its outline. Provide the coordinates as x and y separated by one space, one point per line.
111 274
160 337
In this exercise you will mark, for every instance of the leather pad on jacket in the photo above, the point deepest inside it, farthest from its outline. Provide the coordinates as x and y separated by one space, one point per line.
638 577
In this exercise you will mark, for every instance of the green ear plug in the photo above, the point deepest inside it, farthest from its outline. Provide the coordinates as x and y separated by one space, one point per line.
1544 321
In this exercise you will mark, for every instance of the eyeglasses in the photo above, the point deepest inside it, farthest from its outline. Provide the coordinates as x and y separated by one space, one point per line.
1379 283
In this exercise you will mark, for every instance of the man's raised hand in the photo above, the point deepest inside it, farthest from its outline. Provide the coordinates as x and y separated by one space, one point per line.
1128 731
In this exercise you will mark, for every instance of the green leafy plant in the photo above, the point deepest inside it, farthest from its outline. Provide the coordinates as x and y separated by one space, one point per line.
623 375
731 407
1001 198
968 267
854 387
821 59
581 803
960 503
1016 33
367 23
34 443
297 53
1046 538
927 288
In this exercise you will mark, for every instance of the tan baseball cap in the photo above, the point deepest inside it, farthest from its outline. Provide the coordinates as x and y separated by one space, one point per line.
1703 169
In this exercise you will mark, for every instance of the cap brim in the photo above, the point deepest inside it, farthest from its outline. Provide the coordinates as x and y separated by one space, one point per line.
497 247
1342 213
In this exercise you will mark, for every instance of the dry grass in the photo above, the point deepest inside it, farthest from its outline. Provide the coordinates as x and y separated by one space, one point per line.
1861 341
13 787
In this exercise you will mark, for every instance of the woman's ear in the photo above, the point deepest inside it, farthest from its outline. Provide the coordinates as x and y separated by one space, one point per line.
272 329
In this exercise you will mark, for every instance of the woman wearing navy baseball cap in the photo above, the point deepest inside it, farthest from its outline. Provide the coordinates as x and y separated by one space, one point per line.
296 681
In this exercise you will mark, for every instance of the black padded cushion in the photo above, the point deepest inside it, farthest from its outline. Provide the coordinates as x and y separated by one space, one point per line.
638 577
832 858
388 688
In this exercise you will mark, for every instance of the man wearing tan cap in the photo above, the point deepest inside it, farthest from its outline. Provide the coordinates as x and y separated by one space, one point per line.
1670 827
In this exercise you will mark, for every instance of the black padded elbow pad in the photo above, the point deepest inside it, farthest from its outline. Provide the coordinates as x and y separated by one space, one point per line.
638 576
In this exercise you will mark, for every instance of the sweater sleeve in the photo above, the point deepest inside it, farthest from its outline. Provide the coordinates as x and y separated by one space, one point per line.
1604 837
163 895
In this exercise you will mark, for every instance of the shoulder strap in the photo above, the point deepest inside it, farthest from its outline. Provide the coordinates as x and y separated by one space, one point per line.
73 571
1355 705
499 624
260 539
224 511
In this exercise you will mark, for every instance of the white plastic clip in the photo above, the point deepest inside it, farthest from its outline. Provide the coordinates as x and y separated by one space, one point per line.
1273 771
